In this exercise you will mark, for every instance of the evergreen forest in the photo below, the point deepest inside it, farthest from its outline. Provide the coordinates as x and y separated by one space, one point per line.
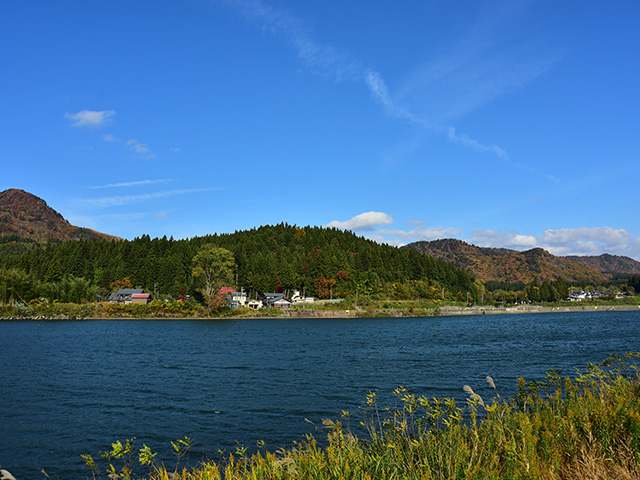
320 262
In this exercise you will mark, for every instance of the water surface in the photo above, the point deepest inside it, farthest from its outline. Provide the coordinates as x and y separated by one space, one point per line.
72 387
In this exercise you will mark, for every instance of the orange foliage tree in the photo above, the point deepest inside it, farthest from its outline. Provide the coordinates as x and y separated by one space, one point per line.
323 286
119 284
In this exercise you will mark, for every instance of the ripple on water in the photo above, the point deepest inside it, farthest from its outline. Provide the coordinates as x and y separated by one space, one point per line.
78 386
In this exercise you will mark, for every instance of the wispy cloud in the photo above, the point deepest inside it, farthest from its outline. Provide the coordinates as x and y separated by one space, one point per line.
320 59
141 149
136 183
474 144
468 77
163 214
499 152
90 118
116 201
137 147
364 222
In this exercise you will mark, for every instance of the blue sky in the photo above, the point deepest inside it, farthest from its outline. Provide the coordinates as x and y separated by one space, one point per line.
502 123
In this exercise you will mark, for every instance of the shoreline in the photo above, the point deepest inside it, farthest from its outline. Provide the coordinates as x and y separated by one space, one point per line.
444 311
448 311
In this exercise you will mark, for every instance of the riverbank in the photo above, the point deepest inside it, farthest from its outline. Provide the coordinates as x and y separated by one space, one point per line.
452 310
107 311
481 310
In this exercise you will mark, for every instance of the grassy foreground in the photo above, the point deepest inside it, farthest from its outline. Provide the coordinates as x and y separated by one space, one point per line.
582 427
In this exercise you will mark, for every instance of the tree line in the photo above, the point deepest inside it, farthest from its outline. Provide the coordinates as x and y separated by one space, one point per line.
322 262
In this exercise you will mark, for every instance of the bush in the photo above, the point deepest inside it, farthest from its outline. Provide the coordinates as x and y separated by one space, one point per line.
559 428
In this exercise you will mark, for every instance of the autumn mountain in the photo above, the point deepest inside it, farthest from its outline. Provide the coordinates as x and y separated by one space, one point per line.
606 263
24 216
504 265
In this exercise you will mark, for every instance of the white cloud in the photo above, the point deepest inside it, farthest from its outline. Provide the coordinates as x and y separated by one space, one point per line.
131 184
587 241
379 91
491 238
561 242
110 138
117 201
474 144
385 241
605 235
136 146
565 241
90 118
142 149
423 233
363 222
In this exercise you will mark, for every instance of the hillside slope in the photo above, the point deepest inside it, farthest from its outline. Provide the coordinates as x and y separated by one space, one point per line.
606 263
24 216
504 265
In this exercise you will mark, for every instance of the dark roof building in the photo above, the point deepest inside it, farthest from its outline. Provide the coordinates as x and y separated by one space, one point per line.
124 295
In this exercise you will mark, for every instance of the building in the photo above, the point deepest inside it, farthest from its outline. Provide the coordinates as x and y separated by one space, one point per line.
124 295
297 298
255 304
140 298
281 303
237 299
269 298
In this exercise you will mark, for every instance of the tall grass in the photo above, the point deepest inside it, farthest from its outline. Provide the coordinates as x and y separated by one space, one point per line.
581 427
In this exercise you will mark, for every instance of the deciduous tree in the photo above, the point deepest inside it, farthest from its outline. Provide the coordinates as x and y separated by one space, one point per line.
213 266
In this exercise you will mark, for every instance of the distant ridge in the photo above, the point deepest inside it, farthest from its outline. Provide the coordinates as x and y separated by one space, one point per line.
23 216
606 263
504 265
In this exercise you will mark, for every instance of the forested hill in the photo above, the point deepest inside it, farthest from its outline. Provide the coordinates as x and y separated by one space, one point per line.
504 265
606 263
25 217
321 261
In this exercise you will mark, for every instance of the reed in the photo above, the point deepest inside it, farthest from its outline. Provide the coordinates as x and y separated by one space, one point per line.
585 426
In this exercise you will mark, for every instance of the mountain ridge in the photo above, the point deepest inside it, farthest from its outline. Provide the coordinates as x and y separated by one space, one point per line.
506 265
25 216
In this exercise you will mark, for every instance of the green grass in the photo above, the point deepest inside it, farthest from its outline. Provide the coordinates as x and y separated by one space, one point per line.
586 426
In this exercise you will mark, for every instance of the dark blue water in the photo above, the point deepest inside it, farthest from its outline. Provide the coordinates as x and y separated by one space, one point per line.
72 387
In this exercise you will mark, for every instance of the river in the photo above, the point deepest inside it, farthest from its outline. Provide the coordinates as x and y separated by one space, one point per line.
73 387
